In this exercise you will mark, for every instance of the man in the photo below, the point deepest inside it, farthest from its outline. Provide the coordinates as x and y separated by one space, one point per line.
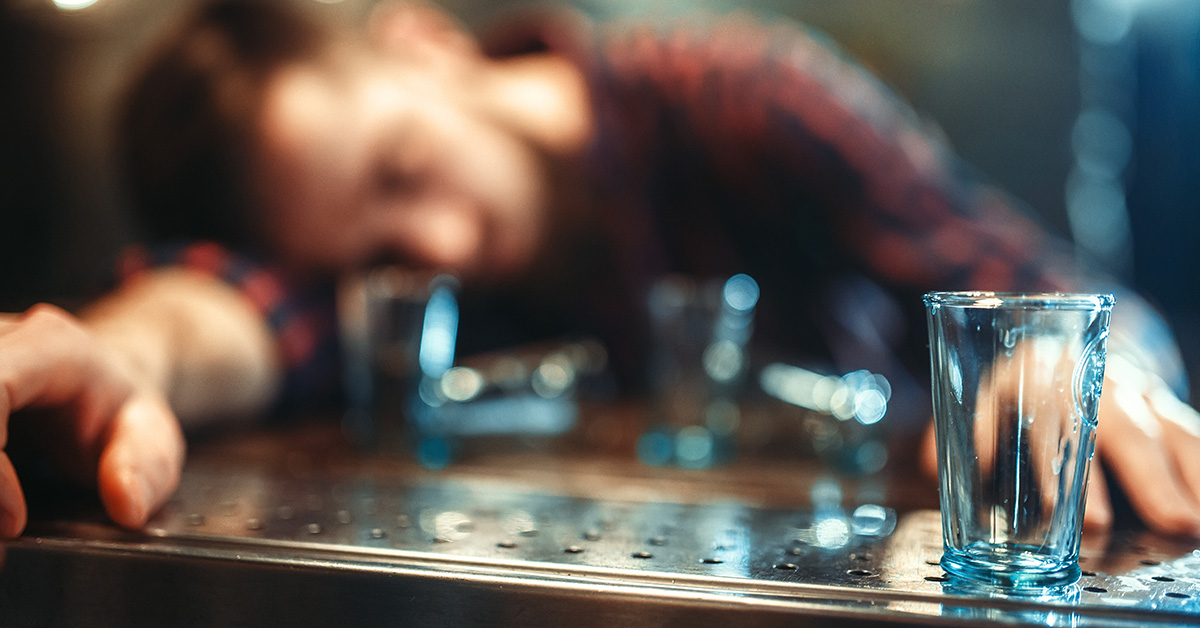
558 175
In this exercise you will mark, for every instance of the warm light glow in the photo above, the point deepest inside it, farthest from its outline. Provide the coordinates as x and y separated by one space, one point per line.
73 5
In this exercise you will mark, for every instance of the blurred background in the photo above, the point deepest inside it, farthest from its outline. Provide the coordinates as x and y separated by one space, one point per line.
1088 110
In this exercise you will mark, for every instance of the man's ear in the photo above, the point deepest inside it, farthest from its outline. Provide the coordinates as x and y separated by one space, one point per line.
423 30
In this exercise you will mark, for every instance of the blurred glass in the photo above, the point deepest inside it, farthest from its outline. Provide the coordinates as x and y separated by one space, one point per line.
701 331
842 416
398 331
407 391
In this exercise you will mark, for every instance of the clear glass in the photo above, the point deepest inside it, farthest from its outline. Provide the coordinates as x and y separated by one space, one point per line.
398 332
701 330
1016 386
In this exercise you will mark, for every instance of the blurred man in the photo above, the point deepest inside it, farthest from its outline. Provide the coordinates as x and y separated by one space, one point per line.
558 171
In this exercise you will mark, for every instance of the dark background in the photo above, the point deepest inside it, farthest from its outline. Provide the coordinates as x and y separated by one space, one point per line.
1007 80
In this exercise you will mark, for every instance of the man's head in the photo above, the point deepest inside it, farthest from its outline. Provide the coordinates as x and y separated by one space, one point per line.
185 125
260 127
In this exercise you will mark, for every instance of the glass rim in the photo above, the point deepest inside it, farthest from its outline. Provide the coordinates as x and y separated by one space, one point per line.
1020 300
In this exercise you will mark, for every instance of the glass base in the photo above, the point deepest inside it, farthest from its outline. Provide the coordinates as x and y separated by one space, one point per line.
1010 566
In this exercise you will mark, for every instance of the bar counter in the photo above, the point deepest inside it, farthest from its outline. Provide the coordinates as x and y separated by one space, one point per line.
291 526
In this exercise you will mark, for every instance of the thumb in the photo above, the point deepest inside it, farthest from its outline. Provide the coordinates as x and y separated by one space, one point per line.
142 460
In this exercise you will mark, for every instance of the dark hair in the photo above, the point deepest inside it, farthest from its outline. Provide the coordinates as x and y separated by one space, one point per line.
186 126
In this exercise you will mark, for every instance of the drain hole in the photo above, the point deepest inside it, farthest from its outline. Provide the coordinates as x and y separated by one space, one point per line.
1149 563
859 572
573 549
1163 579
934 563
712 561
1095 589
1178 596
1087 573
862 557
643 555
658 541
937 578
787 566
506 544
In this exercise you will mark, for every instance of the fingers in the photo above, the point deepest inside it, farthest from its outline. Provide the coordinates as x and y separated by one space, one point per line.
1098 512
1134 443
141 464
12 500
1181 429
90 418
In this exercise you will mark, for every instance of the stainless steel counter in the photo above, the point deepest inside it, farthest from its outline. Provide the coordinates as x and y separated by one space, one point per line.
288 528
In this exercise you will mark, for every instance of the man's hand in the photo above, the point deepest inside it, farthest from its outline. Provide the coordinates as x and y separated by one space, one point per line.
1149 440
89 413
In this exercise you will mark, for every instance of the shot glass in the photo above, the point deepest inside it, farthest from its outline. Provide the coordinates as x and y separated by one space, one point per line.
398 332
1016 386
700 356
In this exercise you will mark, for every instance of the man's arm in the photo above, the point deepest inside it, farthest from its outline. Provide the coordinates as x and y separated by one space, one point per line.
102 390
193 337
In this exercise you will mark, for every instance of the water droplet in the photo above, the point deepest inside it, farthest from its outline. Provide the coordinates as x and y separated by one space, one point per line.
314 528
377 533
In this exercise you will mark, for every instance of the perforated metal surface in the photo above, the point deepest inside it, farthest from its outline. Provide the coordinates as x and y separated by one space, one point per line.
839 557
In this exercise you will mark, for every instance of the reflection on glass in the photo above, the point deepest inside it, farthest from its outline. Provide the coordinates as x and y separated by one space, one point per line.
701 331
844 414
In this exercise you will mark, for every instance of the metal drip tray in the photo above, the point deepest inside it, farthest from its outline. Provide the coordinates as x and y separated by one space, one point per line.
348 542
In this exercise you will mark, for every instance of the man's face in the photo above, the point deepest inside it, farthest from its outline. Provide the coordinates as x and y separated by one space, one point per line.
372 159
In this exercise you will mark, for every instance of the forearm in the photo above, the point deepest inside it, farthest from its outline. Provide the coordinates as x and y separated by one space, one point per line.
195 339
